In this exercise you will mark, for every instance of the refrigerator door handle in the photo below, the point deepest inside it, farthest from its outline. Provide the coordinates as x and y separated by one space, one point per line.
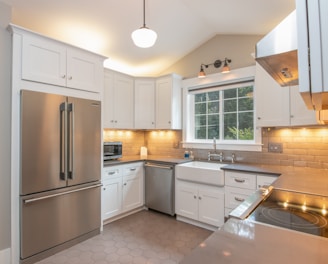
70 111
59 194
63 139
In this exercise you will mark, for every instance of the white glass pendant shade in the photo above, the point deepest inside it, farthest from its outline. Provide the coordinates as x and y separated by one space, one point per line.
144 37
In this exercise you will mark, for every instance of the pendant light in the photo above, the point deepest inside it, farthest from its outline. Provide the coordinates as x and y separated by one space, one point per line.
144 37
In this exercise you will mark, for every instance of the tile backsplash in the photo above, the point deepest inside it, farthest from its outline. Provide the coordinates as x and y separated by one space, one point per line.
302 147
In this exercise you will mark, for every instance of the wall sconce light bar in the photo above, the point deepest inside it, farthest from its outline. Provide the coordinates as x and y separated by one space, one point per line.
217 64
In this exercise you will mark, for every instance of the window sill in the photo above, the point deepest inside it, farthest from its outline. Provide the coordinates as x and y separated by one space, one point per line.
224 146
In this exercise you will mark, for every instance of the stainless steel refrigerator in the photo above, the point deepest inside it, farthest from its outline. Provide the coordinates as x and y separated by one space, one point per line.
60 172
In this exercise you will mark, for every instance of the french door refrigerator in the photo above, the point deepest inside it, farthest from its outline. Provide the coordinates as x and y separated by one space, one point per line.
60 172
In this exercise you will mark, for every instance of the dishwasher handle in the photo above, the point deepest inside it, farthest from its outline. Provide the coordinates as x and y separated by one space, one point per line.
160 166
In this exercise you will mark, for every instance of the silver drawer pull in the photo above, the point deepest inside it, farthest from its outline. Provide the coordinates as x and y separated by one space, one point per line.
239 199
111 172
132 169
239 180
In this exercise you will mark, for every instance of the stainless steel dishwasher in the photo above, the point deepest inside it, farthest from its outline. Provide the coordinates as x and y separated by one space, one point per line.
159 187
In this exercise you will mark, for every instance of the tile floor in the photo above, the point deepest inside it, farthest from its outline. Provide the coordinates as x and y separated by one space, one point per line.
146 237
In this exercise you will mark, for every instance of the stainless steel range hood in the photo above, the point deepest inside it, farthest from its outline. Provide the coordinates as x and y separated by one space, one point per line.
277 52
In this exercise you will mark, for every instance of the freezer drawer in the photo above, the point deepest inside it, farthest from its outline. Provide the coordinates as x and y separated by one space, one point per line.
54 218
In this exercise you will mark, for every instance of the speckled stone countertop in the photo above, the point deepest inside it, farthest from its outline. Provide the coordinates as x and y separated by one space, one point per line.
246 242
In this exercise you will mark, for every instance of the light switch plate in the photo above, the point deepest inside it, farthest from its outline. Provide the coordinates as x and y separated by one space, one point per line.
275 147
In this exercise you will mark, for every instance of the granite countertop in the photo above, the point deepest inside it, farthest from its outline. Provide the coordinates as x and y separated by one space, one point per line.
243 241
128 159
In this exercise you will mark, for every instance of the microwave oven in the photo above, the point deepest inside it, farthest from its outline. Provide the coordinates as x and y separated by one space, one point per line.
112 150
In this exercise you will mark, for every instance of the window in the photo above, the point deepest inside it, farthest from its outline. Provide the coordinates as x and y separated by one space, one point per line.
221 106
225 113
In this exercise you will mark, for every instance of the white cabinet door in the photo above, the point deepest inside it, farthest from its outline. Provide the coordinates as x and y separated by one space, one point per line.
51 62
186 201
133 186
111 198
144 99
271 100
84 70
168 102
118 101
43 61
299 113
132 196
211 207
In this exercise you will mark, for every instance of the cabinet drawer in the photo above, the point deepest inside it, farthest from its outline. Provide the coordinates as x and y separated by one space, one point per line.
112 172
235 196
132 169
240 180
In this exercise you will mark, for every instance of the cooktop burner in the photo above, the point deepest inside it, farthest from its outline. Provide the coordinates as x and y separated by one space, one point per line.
296 211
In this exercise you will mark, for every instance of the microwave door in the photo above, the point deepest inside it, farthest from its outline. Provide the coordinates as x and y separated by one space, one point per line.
40 142
84 141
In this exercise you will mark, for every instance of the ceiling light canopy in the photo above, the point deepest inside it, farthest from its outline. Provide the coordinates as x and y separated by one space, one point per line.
144 37
217 64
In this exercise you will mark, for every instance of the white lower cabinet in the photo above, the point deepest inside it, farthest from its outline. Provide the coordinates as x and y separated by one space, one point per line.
240 185
123 189
200 202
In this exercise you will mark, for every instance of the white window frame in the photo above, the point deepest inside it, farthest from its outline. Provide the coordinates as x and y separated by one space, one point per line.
246 74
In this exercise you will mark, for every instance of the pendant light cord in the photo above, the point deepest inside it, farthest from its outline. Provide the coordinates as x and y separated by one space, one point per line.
144 14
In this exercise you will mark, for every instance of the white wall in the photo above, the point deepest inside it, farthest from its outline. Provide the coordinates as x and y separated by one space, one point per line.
238 48
5 115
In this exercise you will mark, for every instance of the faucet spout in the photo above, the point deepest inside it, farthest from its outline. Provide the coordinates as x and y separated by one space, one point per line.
214 144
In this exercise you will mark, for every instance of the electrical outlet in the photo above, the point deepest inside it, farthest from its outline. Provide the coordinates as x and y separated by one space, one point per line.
275 147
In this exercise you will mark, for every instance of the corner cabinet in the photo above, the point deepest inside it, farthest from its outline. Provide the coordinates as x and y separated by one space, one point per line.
123 190
118 100
279 106
168 102
48 61
144 99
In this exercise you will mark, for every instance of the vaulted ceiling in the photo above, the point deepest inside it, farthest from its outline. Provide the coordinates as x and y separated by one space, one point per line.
105 26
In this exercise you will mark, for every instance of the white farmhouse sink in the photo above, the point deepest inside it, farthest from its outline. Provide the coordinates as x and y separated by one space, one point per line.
201 172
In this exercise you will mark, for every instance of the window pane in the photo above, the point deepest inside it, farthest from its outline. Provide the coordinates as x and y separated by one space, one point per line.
213 131
200 132
200 97
200 120
230 124
246 126
200 108
245 91
230 93
214 120
212 96
213 107
230 105
245 104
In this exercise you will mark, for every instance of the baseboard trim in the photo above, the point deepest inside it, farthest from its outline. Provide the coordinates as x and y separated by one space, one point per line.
5 256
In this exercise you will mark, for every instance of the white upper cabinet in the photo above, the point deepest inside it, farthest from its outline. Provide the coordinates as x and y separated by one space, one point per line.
118 101
279 106
271 100
144 99
48 61
168 102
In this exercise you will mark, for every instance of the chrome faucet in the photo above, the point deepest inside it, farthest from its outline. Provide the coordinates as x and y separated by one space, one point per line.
233 158
210 155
